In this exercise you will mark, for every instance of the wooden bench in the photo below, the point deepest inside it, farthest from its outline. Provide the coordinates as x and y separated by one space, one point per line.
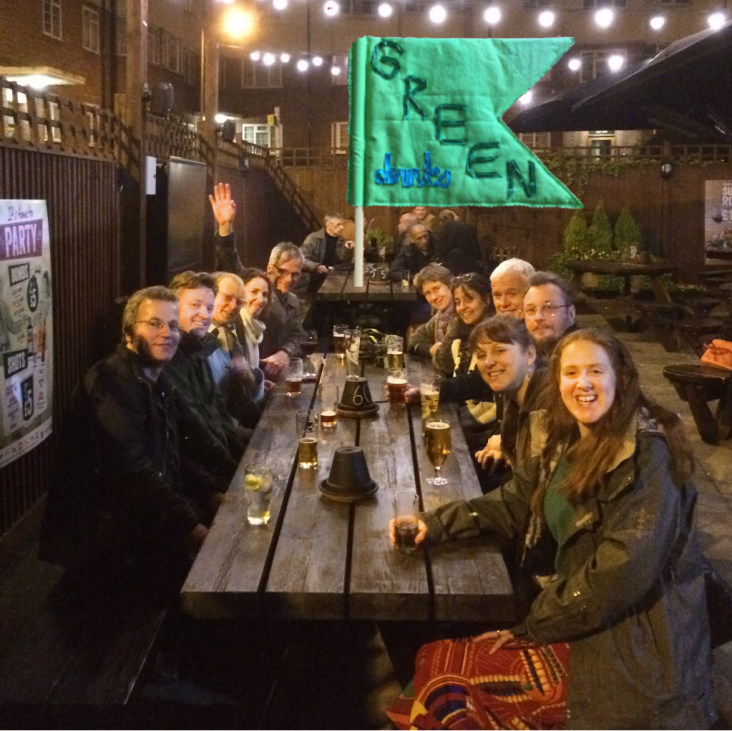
698 385
661 318
697 332
73 644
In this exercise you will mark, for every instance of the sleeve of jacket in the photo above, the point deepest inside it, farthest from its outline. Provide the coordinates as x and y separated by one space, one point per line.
400 263
227 257
294 332
119 421
423 338
641 527
309 252
442 359
466 386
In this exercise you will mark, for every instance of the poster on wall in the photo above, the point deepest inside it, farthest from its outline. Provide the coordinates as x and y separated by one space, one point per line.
26 328
717 221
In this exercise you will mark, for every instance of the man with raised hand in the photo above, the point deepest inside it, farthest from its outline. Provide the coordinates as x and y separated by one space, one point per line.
282 318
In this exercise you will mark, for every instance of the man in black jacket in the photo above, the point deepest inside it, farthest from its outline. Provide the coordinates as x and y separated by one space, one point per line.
415 256
123 486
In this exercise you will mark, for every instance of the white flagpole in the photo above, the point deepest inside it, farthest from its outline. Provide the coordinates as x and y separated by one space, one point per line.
358 252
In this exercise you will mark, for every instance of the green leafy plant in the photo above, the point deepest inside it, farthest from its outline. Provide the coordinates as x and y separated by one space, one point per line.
600 232
627 234
575 235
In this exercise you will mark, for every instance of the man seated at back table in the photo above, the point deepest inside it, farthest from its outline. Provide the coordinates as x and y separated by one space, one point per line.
282 318
322 250
190 371
415 256
127 491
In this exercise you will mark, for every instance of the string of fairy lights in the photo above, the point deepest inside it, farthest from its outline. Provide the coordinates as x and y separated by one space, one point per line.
493 15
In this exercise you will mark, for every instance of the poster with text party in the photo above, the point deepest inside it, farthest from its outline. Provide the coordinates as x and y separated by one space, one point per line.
717 220
26 328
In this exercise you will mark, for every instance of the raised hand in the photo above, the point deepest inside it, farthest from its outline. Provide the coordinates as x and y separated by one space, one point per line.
224 208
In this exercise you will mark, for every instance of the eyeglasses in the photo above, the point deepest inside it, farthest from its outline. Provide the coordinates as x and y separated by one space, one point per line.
159 325
229 298
547 309
286 272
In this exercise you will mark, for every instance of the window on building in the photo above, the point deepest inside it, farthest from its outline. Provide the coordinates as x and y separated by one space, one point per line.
603 3
359 7
52 18
538 3
258 76
258 134
536 140
340 60
600 148
153 46
90 29
675 2
594 63
170 46
339 137
190 67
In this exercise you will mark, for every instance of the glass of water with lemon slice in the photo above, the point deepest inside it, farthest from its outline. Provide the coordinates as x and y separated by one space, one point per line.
258 485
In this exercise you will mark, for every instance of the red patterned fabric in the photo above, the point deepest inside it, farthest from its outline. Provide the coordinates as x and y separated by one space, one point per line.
458 685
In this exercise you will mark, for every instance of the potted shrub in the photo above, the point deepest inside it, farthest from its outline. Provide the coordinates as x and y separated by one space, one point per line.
628 239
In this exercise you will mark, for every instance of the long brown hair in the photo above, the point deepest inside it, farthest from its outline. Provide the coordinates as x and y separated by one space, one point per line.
591 457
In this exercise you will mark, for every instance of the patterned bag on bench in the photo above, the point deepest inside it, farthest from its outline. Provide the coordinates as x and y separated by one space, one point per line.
718 353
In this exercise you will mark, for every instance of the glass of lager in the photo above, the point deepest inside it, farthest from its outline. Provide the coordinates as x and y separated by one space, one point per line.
328 405
394 351
258 486
396 384
307 434
429 388
437 442
406 516
293 376
339 340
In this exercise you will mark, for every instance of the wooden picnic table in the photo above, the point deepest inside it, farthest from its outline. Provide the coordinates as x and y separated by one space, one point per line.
338 287
625 270
318 559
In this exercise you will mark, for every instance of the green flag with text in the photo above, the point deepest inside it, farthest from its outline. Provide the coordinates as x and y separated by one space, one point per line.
425 123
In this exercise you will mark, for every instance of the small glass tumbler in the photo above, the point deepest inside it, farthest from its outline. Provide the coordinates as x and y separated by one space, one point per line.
258 485
406 520
396 386
328 394
307 444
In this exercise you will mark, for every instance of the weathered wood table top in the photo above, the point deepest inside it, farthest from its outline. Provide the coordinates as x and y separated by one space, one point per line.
626 270
318 559
338 287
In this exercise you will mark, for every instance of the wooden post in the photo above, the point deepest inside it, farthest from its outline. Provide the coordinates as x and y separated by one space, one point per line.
358 252
210 78
135 269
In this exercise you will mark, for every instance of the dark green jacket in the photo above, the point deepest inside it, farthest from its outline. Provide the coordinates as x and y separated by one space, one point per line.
628 594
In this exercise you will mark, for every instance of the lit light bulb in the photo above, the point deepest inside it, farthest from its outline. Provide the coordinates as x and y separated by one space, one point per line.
615 62
385 10
226 2
546 19
492 15
285 58
268 59
255 55
604 18
657 22
335 70
302 65
279 4
220 118
438 14
331 8
317 61
716 20
574 64
238 23
527 98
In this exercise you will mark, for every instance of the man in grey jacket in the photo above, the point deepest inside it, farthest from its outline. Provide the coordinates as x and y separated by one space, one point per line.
322 250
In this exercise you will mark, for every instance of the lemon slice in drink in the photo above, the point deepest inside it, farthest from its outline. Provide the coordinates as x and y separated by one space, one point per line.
252 482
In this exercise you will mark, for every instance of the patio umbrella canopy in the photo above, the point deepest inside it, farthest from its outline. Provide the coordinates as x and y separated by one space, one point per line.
685 89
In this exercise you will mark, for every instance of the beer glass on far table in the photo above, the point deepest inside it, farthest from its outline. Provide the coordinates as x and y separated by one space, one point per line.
353 351
396 384
328 393
406 517
394 351
307 435
293 376
429 389
339 340
437 443
308 345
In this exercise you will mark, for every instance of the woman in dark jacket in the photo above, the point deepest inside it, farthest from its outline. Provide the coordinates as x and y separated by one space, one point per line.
617 636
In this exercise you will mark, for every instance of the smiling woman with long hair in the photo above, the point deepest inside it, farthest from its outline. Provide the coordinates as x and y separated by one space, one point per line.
617 635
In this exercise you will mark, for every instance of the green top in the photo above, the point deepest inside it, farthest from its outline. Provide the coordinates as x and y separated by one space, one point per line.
558 511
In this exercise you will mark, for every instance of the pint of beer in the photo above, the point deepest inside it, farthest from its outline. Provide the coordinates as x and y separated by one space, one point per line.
394 352
328 404
307 453
396 383
438 441
293 376
339 339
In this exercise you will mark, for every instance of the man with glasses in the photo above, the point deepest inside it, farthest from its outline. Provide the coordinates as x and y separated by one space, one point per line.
322 250
549 310
282 318
126 491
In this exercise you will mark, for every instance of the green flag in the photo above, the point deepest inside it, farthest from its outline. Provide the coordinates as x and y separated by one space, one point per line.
425 123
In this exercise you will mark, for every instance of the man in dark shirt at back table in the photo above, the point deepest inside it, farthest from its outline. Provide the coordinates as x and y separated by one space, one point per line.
322 250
